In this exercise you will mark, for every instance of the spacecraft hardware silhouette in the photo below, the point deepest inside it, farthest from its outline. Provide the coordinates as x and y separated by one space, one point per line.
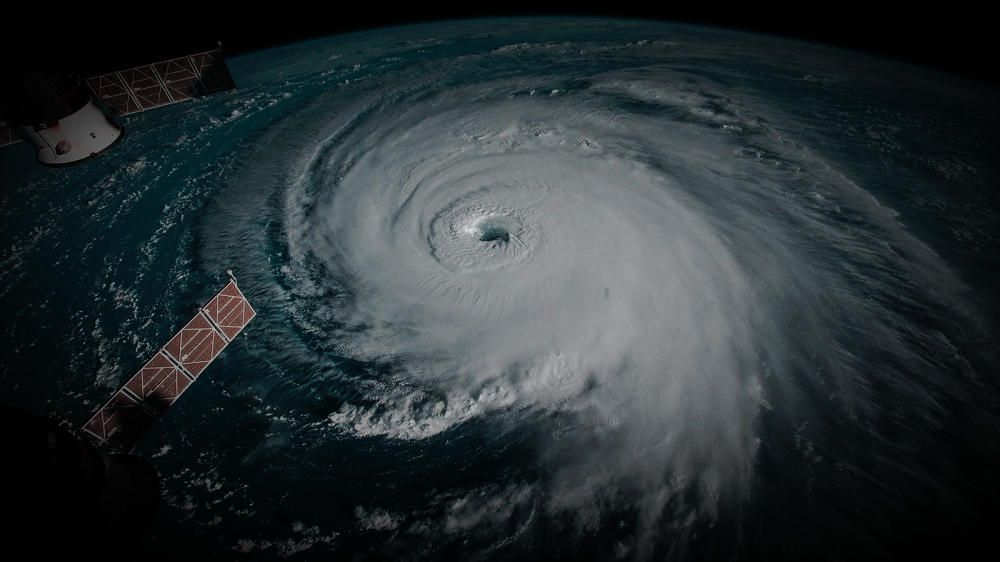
70 120
172 369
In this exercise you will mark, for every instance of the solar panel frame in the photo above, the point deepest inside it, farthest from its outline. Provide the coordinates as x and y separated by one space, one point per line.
172 369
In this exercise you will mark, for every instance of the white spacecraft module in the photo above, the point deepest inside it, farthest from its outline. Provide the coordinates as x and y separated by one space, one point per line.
70 120
84 133
172 369
58 114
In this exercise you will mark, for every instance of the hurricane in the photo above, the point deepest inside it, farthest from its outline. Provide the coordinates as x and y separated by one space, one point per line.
627 291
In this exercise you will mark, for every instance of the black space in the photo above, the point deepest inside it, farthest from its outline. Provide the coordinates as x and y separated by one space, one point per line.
87 39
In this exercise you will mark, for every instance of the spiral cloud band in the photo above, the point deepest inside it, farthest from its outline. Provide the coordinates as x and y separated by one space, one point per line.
645 256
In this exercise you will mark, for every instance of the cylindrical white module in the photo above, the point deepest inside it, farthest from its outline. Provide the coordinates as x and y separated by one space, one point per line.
79 135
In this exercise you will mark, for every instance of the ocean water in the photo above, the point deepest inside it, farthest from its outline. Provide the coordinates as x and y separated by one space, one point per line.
574 289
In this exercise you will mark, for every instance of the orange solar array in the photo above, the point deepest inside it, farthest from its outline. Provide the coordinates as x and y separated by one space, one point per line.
122 419
229 310
172 369
162 83
196 345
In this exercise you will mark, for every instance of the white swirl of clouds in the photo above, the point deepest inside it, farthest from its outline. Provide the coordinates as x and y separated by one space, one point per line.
648 260
521 254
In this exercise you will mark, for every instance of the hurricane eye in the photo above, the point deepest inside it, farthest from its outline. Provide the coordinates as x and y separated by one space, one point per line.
493 232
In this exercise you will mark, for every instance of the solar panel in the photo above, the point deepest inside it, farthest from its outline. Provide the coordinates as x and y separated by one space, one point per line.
161 381
162 83
229 310
196 345
122 420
